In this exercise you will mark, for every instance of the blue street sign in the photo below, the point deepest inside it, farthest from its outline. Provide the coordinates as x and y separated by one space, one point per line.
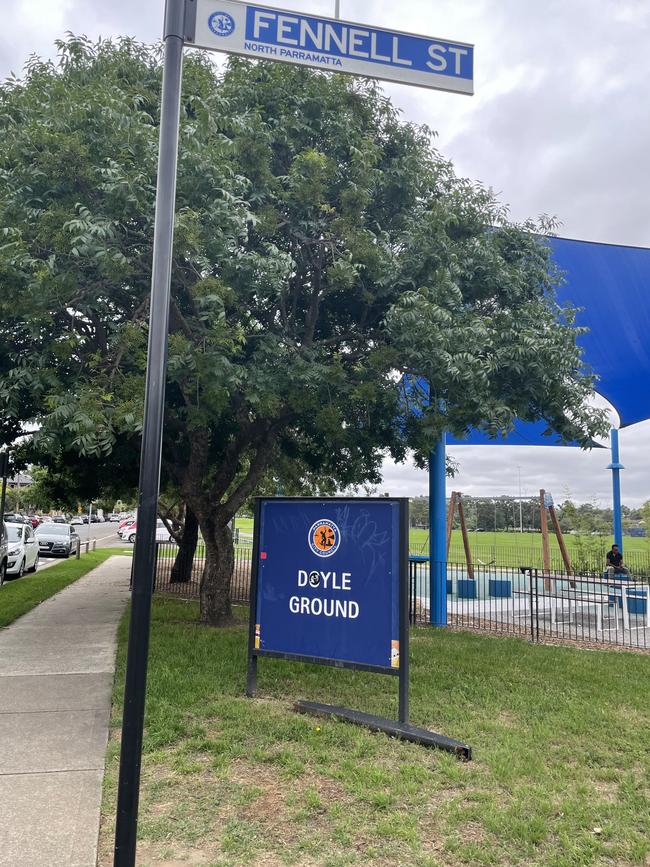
329 574
337 46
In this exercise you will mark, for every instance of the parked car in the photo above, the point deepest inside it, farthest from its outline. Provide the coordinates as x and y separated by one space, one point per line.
162 533
14 518
3 552
114 518
59 519
77 520
35 520
56 540
22 552
124 530
123 523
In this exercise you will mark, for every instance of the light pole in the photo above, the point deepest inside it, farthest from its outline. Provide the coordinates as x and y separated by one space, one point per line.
4 470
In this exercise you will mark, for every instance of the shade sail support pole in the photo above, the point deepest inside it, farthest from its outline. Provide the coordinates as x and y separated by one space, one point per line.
616 466
438 532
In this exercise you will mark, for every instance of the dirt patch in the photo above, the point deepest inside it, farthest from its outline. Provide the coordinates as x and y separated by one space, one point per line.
166 856
508 720
607 790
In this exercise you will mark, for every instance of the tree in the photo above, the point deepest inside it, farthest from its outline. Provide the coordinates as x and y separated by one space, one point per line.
322 249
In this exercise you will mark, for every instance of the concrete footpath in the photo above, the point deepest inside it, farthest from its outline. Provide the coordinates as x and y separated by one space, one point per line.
56 678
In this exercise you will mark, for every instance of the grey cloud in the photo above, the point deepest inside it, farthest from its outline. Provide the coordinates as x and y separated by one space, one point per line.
566 472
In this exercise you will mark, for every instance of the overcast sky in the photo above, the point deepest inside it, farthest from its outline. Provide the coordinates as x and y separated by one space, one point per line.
558 125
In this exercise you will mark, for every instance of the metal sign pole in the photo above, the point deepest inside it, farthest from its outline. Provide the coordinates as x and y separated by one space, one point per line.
4 469
144 559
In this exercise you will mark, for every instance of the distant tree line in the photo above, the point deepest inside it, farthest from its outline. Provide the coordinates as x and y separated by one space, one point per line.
509 514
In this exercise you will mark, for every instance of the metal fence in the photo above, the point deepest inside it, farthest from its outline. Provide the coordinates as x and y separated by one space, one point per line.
165 583
595 609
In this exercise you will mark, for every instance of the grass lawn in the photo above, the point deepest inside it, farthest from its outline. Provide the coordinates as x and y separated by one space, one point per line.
517 549
560 739
19 596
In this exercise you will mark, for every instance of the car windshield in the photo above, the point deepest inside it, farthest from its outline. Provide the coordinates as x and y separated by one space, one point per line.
53 530
15 534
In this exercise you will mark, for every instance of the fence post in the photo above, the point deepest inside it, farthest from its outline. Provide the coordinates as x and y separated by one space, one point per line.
530 597
94 544
87 546
78 549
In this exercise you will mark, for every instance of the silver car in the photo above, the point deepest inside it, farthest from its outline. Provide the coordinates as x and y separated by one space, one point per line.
56 540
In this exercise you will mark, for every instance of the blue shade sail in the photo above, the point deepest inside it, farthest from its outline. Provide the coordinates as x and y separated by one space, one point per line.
612 284
525 433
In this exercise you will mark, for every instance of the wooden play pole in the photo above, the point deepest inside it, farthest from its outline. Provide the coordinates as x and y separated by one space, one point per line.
450 519
463 528
560 540
546 555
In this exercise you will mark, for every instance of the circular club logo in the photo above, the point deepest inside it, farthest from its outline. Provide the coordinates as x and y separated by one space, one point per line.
324 538
221 24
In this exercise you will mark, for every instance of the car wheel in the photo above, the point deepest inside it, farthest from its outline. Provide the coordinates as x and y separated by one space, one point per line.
35 566
3 573
132 538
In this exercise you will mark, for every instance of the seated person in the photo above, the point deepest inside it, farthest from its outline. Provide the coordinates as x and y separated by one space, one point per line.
615 564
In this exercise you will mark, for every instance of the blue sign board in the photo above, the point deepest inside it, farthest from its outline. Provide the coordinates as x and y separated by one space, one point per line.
329 581
337 46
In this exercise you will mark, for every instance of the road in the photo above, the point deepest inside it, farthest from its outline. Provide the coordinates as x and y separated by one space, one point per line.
105 533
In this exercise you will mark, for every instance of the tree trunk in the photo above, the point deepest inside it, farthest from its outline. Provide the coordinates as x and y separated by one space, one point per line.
182 568
217 573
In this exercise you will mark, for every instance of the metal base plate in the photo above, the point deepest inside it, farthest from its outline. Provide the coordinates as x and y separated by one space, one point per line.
404 731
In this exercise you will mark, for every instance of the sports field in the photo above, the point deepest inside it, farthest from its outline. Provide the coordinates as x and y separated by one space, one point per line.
519 549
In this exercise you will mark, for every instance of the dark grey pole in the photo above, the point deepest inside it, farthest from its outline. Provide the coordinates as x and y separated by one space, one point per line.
144 558
4 469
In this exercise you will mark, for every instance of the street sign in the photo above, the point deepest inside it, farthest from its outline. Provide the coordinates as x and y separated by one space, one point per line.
336 46
330 582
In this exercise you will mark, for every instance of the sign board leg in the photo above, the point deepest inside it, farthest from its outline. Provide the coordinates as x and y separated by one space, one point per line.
144 558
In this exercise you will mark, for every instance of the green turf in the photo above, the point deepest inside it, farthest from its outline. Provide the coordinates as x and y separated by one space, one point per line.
523 549
19 596
515 549
560 775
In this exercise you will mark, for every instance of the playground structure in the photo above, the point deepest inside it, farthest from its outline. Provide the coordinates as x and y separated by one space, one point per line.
609 283
540 603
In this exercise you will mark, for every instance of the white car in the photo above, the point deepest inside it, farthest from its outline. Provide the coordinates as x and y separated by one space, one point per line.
77 520
125 526
162 533
22 555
